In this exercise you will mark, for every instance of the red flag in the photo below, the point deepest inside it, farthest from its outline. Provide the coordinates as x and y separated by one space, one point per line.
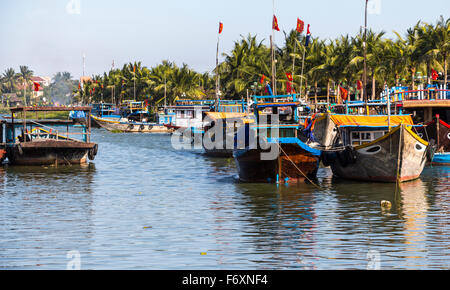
262 79
37 86
359 85
300 25
434 74
275 24
79 86
344 93
288 87
220 27
308 31
289 76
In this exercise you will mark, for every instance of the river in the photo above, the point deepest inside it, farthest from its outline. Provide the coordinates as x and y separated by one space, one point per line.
144 205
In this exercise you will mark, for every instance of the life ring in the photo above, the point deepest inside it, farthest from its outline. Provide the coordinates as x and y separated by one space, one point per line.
130 127
142 127
150 127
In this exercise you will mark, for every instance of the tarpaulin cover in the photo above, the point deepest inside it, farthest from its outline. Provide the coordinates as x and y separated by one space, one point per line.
224 116
371 121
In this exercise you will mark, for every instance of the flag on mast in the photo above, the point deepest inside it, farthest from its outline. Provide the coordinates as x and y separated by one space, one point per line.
300 25
434 74
344 93
263 78
37 86
289 77
308 36
275 24
220 27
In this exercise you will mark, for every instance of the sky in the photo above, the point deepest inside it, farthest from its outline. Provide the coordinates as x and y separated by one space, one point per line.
51 36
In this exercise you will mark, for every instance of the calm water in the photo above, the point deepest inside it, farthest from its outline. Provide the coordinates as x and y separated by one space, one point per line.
143 205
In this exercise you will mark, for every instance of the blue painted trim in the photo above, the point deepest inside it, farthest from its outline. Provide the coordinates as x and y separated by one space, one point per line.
442 158
291 140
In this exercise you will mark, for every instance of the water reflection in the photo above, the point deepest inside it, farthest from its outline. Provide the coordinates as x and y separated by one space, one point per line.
40 224
144 205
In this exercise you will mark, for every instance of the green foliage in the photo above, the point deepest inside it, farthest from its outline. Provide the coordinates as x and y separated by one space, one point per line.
326 64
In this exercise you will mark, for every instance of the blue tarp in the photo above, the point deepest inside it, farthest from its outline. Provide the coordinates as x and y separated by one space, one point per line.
292 140
77 115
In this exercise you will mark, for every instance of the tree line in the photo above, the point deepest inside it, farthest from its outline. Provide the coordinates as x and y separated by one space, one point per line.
409 60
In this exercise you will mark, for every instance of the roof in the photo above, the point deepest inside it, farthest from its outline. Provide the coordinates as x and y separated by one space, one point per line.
371 121
37 79
426 103
284 104
229 116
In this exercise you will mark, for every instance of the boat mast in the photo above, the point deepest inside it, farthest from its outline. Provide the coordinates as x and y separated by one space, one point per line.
365 54
217 66
272 46
165 90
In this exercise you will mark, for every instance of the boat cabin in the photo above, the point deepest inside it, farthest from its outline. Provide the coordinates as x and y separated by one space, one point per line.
188 113
356 130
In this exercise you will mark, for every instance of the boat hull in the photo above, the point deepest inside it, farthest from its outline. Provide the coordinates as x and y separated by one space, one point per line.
219 153
398 156
116 126
3 155
441 159
51 152
438 133
252 168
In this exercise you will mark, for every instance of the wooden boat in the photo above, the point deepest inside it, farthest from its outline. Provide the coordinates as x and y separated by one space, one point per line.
39 146
438 132
293 161
368 151
188 114
219 131
126 126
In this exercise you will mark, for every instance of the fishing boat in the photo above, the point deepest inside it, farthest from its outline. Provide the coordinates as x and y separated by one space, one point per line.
219 130
438 132
124 125
367 149
220 127
279 156
30 142
134 118
188 114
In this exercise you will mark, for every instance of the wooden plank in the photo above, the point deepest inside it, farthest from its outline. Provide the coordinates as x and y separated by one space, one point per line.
426 104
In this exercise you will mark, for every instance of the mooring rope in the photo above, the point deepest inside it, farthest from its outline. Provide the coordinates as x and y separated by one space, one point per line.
297 167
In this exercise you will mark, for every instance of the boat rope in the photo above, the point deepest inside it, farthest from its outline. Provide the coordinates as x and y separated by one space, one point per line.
295 165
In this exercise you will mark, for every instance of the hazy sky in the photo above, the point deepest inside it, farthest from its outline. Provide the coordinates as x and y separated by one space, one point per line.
52 35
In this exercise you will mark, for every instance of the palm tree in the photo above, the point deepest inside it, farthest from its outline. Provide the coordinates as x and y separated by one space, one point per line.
315 59
9 80
441 36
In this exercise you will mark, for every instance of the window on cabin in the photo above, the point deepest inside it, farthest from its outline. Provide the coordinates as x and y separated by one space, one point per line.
189 114
360 138
179 114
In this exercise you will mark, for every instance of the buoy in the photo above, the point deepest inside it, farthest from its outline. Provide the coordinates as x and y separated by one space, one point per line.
386 204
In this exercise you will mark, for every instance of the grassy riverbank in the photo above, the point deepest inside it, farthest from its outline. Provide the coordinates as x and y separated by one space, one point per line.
4 111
